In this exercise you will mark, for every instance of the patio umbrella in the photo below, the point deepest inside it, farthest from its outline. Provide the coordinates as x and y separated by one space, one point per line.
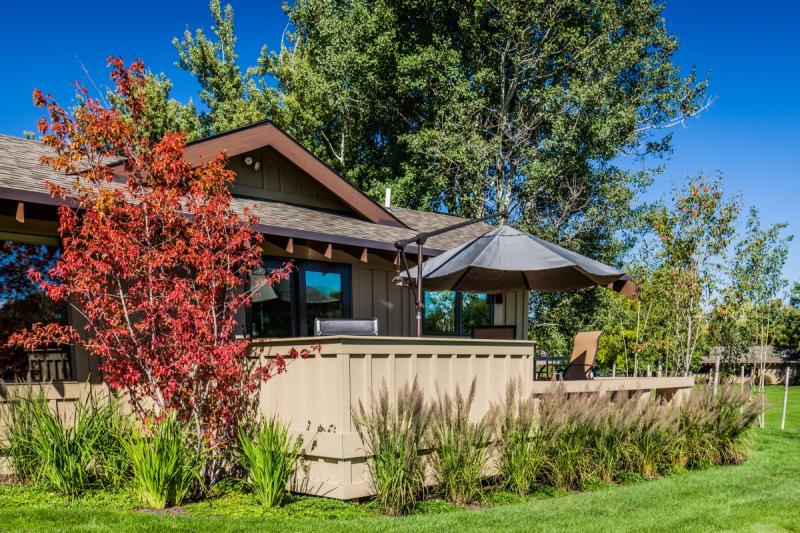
507 259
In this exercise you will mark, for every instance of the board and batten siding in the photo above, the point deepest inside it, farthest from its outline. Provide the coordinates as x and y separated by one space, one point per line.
376 296
278 179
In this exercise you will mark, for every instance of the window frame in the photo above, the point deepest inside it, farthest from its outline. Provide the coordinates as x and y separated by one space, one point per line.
459 303
67 314
298 288
301 314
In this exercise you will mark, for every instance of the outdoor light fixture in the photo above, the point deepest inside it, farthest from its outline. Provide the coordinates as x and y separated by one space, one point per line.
257 165
248 160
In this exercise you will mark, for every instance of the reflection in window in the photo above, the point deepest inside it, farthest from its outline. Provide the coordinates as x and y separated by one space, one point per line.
272 305
474 312
21 305
323 296
451 313
289 308
440 312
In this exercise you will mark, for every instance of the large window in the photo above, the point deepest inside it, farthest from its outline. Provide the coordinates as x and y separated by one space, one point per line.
455 313
314 290
22 303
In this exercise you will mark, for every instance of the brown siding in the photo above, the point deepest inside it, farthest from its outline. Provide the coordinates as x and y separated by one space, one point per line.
278 179
376 296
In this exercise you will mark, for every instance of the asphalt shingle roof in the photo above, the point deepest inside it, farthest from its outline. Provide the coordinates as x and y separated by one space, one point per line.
21 171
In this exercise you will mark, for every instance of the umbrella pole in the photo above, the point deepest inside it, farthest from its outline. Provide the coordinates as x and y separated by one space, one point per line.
420 302
420 239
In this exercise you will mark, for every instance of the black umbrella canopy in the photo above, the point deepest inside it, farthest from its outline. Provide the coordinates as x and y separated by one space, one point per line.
507 259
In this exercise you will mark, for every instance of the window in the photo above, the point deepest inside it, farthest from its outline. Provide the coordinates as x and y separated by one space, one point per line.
23 303
455 313
313 290
273 306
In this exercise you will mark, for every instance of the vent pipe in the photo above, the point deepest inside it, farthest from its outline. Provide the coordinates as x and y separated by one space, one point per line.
388 201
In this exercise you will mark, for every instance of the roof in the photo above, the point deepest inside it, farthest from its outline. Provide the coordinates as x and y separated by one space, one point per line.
263 134
23 177
775 355
20 169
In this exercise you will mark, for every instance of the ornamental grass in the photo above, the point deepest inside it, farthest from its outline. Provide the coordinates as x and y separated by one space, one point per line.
269 456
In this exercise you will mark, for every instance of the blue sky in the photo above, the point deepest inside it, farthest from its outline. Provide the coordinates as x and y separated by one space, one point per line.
750 134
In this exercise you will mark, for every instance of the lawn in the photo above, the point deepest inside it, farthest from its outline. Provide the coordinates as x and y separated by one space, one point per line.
761 494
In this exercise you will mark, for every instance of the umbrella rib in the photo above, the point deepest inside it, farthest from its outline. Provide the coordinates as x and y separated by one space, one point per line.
461 277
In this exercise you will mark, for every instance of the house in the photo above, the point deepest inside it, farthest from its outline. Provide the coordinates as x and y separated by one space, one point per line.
341 240
342 243
776 361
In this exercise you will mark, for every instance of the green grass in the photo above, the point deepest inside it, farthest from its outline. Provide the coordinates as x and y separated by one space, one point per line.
762 494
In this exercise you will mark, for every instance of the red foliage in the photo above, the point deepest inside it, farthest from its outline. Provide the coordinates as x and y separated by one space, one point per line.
156 260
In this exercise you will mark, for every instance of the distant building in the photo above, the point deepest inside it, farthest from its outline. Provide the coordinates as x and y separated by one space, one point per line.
776 360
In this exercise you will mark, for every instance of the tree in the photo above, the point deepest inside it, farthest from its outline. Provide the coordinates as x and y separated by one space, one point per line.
787 325
233 98
155 259
162 114
470 106
467 106
786 331
757 276
695 235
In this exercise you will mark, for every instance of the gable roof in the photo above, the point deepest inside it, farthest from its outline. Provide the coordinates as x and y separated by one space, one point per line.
23 177
266 134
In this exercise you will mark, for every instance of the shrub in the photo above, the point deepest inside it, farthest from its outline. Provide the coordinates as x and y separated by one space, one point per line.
654 442
269 457
566 427
164 462
66 455
613 429
393 438
19 419
520 444
715 428
459 447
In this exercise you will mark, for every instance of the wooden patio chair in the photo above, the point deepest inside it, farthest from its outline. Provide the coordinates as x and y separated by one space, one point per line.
584 351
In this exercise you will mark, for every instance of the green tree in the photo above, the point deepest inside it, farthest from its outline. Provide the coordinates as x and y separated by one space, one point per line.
467 106
787 326
470 106
695 235
232 97
757 275
162 113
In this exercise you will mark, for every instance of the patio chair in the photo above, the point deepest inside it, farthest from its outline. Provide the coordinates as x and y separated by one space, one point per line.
324 327
584 351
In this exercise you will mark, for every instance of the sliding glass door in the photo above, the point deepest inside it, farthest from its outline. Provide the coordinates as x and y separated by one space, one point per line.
288 309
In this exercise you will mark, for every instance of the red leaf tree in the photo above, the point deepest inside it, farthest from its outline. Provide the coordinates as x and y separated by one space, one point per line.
154 258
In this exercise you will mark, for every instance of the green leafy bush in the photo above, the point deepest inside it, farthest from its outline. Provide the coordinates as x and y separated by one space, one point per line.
566 426
165 463
393 437
19 419
269 457
458 447
654 440
66 454
714 429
